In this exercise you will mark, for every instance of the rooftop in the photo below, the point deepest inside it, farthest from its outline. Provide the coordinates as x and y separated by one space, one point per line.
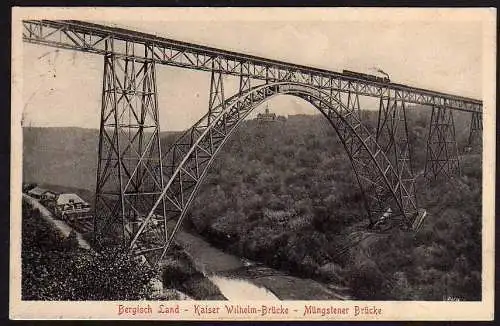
64 199
37 191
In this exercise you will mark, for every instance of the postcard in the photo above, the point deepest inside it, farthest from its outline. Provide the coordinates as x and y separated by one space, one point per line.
253 163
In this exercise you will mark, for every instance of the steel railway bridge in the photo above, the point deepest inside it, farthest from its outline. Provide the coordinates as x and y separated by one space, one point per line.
143 194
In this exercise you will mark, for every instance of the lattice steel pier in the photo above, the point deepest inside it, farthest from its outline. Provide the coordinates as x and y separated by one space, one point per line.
129 176
139 189
442 149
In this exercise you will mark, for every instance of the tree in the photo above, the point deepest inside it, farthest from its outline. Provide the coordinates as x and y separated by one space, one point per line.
55 268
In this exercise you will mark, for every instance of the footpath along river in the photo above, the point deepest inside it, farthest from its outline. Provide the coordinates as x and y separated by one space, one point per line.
63 228
236 278
240 279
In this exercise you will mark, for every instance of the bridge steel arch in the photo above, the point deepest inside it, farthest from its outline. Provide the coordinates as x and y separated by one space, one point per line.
187 162
132 170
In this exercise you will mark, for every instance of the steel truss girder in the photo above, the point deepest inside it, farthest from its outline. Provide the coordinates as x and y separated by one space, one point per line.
442 150
87 37
372 196
189 159
128 179
245 77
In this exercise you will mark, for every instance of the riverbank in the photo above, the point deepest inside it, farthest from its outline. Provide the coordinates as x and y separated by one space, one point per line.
49 247
179 272
195 270
239 275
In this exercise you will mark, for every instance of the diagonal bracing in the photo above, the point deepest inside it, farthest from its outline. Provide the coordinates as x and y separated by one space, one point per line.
128 178
442 149
190 158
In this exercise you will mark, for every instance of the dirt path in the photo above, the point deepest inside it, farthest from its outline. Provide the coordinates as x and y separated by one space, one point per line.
63 228
226 268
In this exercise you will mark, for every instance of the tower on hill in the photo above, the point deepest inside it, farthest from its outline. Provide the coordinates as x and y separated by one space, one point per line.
268 116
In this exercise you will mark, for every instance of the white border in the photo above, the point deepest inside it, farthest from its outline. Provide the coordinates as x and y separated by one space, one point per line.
391 310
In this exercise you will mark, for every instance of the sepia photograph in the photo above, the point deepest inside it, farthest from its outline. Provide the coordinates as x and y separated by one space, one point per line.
258 163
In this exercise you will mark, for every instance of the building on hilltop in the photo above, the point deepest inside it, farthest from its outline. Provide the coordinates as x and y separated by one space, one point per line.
269 117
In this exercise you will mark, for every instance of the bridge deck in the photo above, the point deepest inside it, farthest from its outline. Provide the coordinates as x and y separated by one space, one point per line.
101 39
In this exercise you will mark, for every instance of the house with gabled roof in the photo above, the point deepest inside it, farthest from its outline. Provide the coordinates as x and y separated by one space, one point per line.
37 192
71 206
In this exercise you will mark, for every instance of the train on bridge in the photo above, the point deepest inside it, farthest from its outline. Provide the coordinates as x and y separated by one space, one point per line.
360 75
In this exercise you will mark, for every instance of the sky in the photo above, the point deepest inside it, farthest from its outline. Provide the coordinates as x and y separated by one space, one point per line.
63 87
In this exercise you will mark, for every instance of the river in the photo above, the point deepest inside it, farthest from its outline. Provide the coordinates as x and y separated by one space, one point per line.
236 278
241 279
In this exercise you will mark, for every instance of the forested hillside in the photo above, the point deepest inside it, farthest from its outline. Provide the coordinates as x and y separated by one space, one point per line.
284 194
51 156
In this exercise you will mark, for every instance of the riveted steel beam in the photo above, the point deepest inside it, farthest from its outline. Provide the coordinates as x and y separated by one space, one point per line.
88 37
442 150
129 154
192 158
475 131
392 136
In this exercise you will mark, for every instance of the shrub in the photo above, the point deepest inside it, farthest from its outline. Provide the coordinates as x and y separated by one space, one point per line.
54 268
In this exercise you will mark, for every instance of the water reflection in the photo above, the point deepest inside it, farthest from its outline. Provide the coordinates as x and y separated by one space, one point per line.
236 289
